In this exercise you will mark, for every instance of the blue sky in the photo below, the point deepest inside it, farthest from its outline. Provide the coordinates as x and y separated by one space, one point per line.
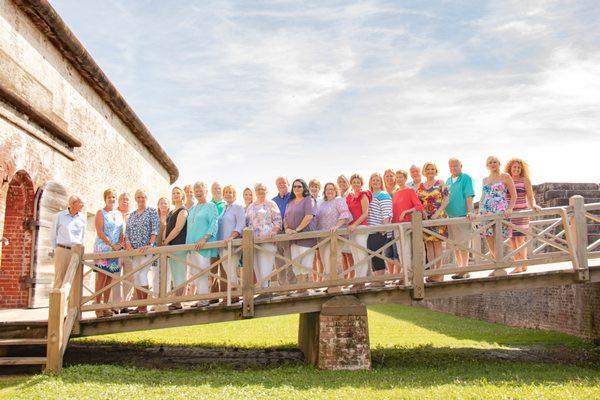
241 92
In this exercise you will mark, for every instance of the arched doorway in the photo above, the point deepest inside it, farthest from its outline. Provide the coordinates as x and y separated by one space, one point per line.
17 244
49 200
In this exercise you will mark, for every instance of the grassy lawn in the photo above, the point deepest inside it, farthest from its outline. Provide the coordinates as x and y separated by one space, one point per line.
416 354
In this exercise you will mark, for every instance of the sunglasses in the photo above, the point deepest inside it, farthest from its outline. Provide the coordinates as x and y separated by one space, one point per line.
298 187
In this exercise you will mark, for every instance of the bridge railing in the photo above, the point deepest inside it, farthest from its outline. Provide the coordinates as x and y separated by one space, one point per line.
555 235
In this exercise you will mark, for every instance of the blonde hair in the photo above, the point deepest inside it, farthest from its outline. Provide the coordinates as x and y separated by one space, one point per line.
314 182
230 187
343 177
259 185
158 205
200 185
108 192
335 187
376 175
524 167
188 187
357 176
391 171
403 173
492 158
140 192
183 196
428 164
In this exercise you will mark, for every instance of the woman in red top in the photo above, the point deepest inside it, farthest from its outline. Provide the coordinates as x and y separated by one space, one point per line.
358 204
404 202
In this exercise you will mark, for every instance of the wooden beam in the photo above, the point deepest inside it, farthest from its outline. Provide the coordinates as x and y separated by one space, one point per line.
418 258
56 316
581 237
248 272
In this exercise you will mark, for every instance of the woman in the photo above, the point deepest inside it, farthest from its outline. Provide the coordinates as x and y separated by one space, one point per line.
163 211
202 224
299 217
497 188
332 215
404 203
358 204
248 195
346 259
314 186
389 179
380 213
231 226
109 228
519 173
175 234
434 196
264 218
140 234
189 196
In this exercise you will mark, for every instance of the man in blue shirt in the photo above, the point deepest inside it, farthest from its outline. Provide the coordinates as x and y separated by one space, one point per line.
67 231
285 276
460 205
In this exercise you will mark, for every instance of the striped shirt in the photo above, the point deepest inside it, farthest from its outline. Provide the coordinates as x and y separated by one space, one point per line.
380 208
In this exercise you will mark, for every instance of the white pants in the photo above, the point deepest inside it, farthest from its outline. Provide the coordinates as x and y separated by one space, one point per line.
231 266
306 260
203 263
405 254
263 262
359 255
141 276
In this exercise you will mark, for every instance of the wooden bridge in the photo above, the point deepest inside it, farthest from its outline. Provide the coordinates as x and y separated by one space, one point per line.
559 254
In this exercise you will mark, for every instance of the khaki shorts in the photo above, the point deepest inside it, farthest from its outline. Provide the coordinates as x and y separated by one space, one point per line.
460 233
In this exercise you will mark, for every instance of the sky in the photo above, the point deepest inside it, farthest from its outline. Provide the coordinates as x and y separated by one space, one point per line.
241 92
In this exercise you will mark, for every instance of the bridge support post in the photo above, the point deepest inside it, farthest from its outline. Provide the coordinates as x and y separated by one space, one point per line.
248 273
337 338
581 237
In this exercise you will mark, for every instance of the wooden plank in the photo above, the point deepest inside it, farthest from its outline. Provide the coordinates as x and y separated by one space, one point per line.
418 258
22 342
69 321
248 273
22 360
581 238
76 292
56 315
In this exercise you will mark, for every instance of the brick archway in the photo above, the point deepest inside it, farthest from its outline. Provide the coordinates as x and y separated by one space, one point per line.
16 255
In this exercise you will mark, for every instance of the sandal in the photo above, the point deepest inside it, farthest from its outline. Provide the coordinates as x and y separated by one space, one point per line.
139 310
175 306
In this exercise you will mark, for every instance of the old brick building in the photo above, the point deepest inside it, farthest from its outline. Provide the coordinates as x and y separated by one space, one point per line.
64 128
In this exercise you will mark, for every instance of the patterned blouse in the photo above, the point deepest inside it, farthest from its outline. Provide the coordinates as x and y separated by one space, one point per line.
203 220
432 199
262 218
141 226
330 212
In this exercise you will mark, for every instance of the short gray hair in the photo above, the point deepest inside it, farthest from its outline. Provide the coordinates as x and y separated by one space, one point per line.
200 185
73 199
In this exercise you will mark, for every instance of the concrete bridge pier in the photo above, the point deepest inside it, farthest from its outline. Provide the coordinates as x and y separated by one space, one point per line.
337 338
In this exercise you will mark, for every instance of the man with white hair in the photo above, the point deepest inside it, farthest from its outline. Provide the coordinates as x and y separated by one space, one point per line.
415 174
67 231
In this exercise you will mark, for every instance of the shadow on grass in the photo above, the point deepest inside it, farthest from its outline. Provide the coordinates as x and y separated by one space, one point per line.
464 328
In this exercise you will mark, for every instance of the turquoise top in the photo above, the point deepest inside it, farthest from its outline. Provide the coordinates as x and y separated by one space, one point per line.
203 220
221 204
459 192
113 226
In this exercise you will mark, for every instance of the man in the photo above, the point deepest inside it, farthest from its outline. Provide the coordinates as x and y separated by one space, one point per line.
460 205
285 276
217 199
67 231
124 290
415 174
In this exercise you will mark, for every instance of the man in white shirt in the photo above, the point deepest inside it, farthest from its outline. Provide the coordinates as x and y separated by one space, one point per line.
67 231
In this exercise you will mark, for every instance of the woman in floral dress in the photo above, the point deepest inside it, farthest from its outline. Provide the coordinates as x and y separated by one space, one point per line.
495 200
434 196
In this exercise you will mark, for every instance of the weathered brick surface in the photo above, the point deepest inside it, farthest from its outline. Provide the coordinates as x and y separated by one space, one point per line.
111 155
572 309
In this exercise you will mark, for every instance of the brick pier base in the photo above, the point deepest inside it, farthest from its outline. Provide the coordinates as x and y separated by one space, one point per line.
337 338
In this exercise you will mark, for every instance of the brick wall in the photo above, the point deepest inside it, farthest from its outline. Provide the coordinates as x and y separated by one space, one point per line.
572 309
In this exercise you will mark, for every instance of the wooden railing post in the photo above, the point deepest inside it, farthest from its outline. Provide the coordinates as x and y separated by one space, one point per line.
498 245
333 262
77 288
248 273
56 317
162 281
581 237
418 259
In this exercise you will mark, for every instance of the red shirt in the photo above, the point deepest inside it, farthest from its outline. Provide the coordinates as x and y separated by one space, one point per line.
403 200
354 205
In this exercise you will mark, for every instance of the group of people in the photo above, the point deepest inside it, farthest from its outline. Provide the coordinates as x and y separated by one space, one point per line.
346 203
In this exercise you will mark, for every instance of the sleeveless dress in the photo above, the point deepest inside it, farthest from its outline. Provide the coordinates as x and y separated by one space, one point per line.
520 205
432 200
494 200
113 226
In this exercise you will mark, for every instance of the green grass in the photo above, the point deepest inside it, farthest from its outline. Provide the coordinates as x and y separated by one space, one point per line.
416 354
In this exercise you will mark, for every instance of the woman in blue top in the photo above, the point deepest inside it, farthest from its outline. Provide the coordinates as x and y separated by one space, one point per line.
380 213
109 228
202 226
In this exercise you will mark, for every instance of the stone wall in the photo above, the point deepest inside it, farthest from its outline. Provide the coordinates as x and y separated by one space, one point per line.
110 154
